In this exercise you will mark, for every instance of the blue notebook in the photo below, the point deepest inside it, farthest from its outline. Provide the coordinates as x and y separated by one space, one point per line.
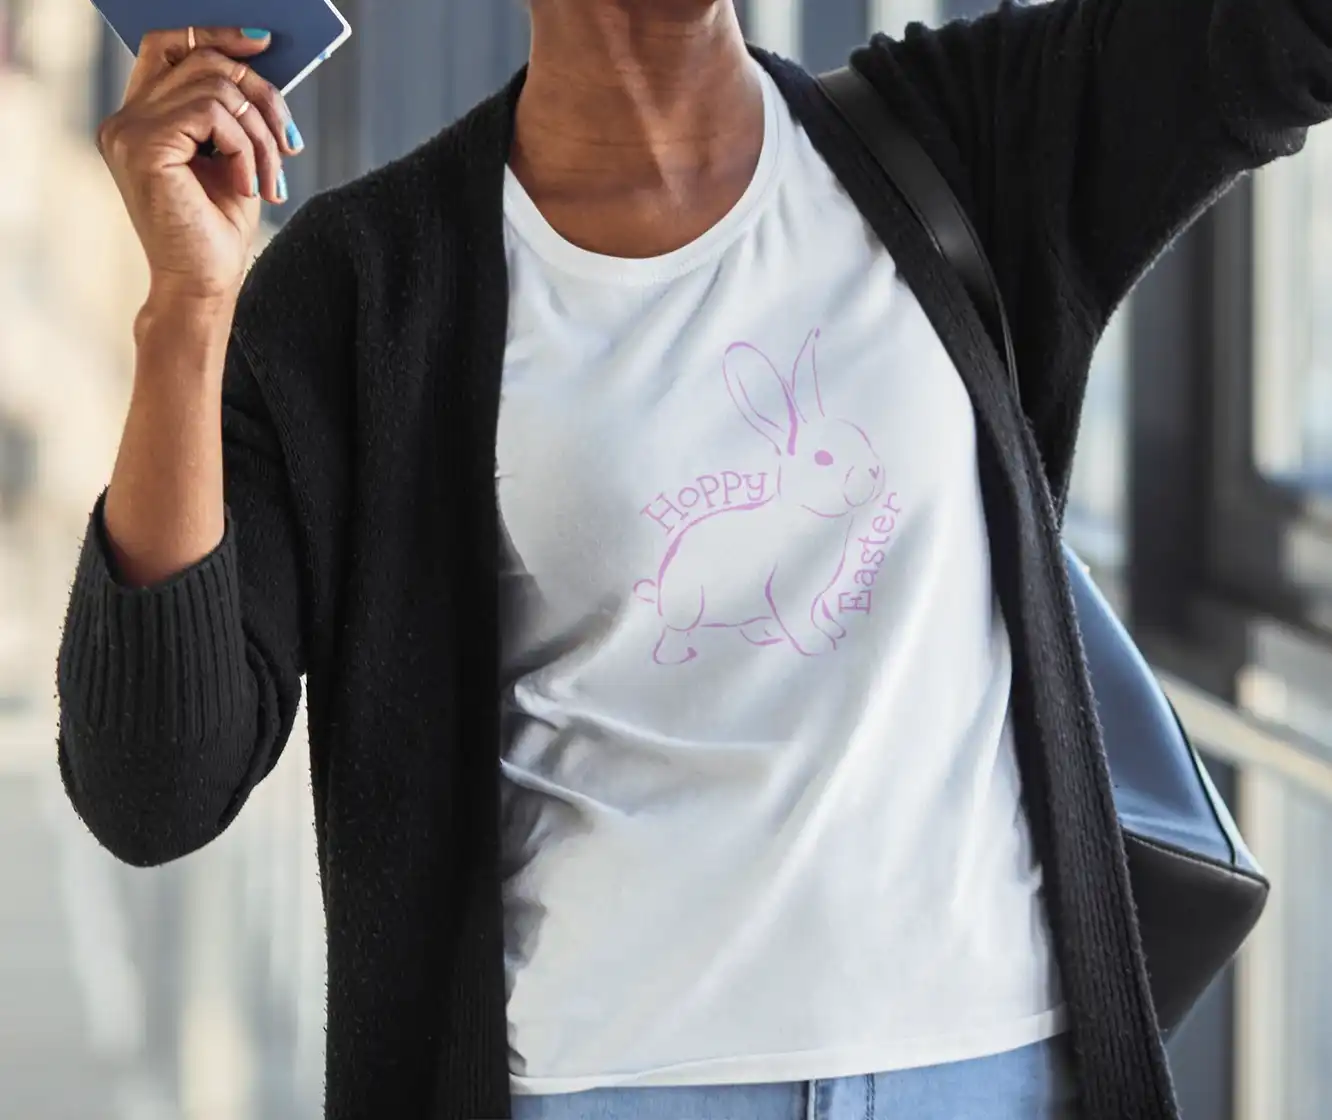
305 32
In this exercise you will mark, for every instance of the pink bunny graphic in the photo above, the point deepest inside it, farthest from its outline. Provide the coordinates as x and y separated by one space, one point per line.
748 566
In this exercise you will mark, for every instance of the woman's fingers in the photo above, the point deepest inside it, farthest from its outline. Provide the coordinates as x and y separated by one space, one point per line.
209 119
261 94
272 106
267 165
162 50
252 101
186 149
272 182
190 66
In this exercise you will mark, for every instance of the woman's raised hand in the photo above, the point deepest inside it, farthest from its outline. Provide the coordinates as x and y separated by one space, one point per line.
197 143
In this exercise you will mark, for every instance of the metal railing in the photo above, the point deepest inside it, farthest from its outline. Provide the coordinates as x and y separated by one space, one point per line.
1247 743
1283 978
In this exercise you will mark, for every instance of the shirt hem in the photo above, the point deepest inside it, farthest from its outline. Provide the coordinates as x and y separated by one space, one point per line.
819 1065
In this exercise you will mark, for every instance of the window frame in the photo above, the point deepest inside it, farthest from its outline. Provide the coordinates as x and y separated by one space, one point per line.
1269 544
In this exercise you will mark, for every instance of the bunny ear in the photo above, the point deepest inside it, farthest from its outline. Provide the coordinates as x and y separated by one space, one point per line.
805 378
761 396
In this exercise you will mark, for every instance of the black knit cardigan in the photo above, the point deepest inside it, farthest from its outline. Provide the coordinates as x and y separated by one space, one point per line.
362 541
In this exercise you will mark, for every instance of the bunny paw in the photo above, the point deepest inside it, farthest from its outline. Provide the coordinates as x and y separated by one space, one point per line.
673 648
761 633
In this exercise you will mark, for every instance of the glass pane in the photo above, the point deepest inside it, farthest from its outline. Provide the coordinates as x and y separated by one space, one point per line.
893 16
963 9
774 25
829 31
1306 922
1096 524
1286 1035
1293 318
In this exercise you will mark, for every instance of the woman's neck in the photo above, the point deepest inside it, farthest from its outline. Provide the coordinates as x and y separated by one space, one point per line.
645 113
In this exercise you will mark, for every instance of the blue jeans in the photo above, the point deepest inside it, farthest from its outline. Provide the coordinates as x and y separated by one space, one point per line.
1034 1083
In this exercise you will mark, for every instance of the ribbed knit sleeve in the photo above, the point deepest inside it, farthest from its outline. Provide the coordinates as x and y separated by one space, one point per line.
177 699
158 705
181 640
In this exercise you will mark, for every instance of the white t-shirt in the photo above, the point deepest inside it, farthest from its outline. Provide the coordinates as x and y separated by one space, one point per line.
761 802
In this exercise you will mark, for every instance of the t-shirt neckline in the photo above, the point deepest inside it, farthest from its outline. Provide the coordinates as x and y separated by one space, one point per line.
545 241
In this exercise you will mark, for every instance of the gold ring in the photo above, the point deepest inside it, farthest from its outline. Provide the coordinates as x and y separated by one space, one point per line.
190 39
245 108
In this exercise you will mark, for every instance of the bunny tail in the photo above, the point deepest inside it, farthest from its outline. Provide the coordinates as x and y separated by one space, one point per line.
646 590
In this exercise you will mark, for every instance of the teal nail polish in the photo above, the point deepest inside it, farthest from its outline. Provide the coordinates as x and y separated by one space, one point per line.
295 141
254 188
282 186
254 32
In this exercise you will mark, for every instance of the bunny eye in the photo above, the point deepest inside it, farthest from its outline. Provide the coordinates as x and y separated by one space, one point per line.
823 458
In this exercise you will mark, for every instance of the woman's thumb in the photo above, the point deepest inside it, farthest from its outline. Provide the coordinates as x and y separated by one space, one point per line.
236 42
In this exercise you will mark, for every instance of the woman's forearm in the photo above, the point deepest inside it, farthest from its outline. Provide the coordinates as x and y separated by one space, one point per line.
164 506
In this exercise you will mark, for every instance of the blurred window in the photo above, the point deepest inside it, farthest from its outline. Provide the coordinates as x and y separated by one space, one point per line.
1292 388
1097 520
893 16
14 27
1291 973
774 25
963 9
111 70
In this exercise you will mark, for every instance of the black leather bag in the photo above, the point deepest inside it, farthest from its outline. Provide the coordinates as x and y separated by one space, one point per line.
1198 890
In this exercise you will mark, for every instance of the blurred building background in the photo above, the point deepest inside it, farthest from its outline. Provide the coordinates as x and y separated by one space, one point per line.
1203 500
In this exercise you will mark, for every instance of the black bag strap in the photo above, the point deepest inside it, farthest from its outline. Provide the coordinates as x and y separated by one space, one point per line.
926 192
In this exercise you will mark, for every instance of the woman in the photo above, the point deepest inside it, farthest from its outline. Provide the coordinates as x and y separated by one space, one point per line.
697 719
